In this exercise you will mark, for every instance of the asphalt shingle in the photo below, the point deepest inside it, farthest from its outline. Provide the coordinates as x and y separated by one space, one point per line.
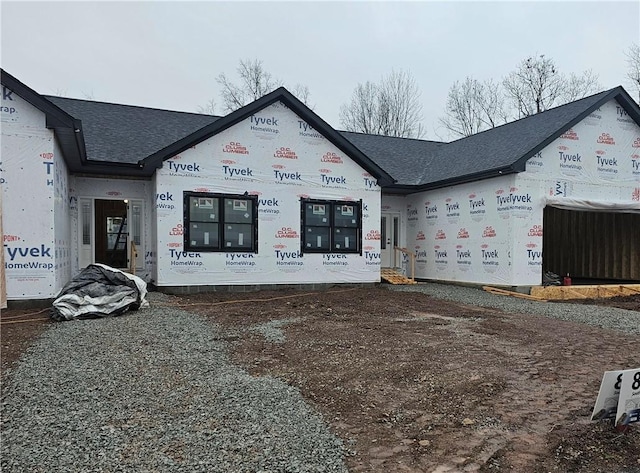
417 162
405 159
126 133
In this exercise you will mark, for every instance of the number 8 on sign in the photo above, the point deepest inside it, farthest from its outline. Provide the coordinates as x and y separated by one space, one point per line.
629 400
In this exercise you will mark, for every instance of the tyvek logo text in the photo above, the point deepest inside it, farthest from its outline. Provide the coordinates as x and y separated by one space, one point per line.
306 130
334 260
31 257
184 258
463 256
264 125
288 258
164 200
372 258
269 206
490 258
431 211
239 259
183 169
7 95
534 255
237 174
606 164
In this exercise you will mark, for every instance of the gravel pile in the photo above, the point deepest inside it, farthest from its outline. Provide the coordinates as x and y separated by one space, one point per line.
627 321
153 391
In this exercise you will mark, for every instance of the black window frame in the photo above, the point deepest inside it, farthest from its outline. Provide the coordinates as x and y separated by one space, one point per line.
331 225
221 221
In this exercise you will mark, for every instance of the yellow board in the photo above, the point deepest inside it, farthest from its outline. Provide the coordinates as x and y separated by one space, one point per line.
585 292
393 277
504 292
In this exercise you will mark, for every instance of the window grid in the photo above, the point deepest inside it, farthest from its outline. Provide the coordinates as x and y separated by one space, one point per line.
331 226
220 222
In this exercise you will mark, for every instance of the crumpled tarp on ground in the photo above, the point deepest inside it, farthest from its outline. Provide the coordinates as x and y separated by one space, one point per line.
99 291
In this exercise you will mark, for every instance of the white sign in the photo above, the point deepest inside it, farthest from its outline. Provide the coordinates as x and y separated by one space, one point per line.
619 397
629 401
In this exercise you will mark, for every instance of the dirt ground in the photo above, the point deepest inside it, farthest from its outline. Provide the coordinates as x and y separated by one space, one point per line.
415 384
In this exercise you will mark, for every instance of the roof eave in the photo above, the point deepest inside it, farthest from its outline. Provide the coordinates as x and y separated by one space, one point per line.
477 176
67 129
110 168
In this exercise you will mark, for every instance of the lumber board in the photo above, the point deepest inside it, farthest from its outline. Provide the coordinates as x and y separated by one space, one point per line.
585 292
504 292
393 277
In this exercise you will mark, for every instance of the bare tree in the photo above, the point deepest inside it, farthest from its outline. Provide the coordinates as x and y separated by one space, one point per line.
362 112
302 93
208 108
390 108
633 60
254 81
536 85
579 86
473 106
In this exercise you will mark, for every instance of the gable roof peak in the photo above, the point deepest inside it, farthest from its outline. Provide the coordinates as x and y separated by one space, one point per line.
155 160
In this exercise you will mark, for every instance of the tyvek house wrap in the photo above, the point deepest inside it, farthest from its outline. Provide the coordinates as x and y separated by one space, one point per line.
29 196
593 166
459 234
281 159
491 232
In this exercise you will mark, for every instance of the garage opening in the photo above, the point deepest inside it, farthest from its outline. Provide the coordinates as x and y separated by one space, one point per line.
593 247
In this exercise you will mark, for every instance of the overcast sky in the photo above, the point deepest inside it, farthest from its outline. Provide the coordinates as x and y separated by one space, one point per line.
168 54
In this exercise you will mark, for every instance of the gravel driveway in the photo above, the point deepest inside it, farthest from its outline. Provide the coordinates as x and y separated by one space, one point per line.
153 391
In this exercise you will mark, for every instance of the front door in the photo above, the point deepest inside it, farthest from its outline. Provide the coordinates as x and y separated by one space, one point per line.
112 235
389 238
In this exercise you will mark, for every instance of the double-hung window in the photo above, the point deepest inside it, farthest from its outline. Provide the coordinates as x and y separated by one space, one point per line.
220 222
331 226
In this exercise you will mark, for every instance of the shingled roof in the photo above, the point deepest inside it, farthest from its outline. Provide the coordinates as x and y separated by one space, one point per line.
421 165
403 158
126 133
128 140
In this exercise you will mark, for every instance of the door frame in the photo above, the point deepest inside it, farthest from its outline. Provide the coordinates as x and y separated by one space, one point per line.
87 252
109 209
390 237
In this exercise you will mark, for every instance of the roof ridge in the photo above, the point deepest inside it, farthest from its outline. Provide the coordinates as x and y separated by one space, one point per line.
603 93
131 106
396 137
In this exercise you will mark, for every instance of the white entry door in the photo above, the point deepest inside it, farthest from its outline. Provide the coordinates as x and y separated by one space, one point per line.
389 238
